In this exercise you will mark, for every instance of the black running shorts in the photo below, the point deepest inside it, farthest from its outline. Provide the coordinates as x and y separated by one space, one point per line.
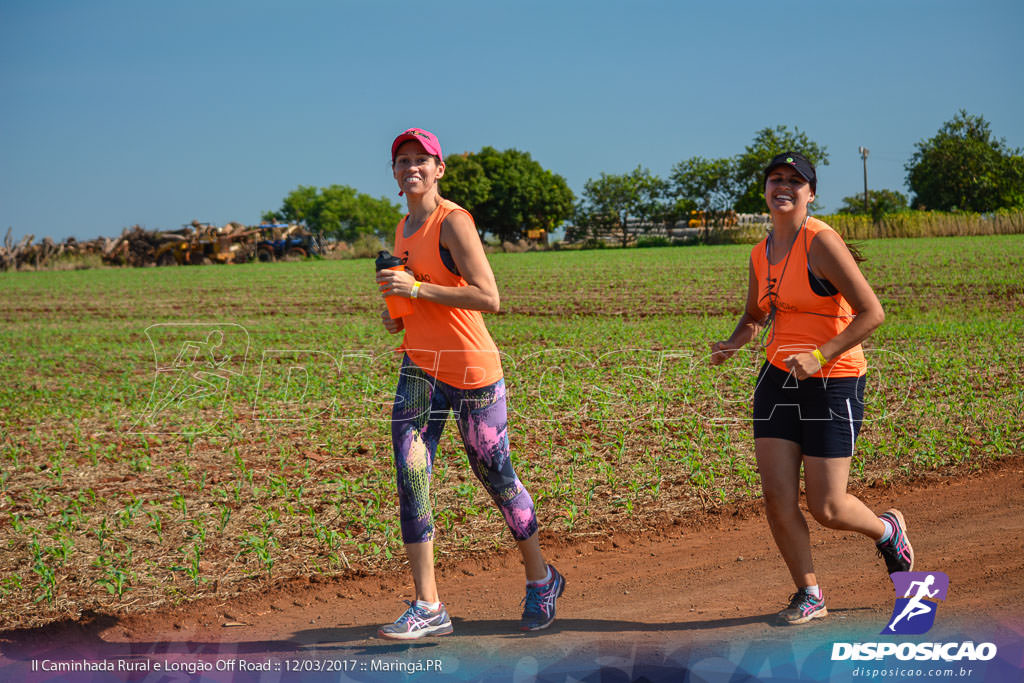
823 415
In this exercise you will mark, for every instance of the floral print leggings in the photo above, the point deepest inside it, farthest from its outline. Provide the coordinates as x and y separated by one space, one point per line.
418 417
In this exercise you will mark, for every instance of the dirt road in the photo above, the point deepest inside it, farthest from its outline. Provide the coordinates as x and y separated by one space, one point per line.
697 601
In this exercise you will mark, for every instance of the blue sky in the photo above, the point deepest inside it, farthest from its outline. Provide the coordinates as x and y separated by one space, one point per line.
121 113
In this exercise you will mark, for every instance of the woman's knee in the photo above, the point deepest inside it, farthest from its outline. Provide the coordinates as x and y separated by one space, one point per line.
780 505
826 510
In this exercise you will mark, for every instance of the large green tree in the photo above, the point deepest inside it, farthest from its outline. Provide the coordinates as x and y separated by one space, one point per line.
880 203
709 185
507 192
964 167
338 211
749 166
627 204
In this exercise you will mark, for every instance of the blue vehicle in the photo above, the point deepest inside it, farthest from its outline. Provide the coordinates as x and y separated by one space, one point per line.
280 241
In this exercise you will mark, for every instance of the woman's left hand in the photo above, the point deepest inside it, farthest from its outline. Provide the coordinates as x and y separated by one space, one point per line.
803 365
395 283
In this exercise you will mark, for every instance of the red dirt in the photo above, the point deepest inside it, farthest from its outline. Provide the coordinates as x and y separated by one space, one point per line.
625 597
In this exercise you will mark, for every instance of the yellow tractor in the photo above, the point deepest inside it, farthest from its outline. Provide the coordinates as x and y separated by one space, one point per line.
202 243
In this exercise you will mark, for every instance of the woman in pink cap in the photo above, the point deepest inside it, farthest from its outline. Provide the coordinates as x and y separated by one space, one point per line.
450 364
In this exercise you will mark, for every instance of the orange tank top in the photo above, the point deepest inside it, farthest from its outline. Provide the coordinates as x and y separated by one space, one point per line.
450 344
804 318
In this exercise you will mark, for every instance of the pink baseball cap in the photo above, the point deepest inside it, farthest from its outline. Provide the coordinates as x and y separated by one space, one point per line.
424 137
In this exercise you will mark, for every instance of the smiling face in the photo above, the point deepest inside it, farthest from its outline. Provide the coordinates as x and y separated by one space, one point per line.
785 190
415 169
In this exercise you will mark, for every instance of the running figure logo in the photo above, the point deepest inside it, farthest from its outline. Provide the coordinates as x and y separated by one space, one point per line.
194 365
914 612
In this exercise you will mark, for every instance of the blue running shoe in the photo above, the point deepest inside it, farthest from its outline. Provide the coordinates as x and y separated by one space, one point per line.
896 551
539 610
802 608
418 622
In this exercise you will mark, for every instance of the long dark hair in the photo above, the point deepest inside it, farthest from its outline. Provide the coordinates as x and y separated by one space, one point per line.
855 252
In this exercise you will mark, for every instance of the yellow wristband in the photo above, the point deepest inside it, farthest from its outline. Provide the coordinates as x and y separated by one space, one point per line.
820 356
415 290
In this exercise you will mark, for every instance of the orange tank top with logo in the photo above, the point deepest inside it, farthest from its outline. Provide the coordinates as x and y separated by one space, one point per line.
450 344
808 311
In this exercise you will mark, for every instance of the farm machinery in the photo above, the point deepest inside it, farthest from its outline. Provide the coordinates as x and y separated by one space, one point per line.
279 241
202 243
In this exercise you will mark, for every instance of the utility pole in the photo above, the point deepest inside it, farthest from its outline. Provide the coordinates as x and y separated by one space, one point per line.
864 157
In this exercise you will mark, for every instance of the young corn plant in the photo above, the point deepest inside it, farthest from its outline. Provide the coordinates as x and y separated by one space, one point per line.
47 577
191 561
156 523
116 572
131 509
179 503
10 584
262 547
224 517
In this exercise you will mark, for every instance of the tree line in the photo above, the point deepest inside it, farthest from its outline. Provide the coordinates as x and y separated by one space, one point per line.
963 167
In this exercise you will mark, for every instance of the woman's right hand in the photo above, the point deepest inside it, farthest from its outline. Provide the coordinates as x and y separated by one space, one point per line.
722 351
390 324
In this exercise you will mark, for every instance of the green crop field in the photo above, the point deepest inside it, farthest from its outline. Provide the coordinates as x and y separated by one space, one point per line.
172 433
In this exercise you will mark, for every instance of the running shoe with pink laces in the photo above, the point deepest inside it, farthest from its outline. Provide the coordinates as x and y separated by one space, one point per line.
896 550
539 610
803 607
